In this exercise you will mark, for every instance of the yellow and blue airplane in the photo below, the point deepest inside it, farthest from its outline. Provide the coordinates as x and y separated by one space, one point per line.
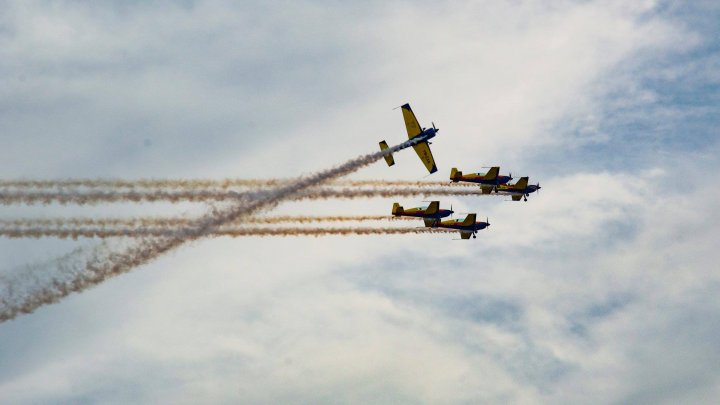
418 136
521 189
432 214
489 181
468 227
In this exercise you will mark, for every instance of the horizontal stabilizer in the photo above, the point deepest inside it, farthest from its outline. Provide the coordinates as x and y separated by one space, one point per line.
389 157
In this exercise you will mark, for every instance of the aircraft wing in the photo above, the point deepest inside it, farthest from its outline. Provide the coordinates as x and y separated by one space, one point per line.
433 208
469 220
465 235
521 184
486 189
516 197
411 123
492 173
423 151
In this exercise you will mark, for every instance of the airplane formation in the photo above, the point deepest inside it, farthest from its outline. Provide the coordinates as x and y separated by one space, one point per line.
490 181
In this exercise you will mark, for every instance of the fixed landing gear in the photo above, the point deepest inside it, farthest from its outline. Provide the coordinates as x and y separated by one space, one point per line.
474 236
525 198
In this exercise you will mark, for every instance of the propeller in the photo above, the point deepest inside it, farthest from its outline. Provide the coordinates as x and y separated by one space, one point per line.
433 124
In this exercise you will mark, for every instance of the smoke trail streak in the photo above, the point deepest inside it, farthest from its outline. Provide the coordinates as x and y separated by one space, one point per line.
98 197
192 184
135 222
327 193
97 269
103 233
95 197
141 183
65 269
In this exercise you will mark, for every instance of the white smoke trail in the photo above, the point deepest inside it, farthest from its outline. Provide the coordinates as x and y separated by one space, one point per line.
203 184
97 269
135 196
135 222
20 285
103 233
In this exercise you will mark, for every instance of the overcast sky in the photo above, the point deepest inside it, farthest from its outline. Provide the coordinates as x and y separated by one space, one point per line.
602 288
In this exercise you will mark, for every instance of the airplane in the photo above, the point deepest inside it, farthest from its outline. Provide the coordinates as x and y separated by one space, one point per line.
430 214
420 137
521 189
467 227
488 181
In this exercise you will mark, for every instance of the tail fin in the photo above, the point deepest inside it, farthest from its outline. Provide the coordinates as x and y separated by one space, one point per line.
389 157
455 174
521 184
433 208
469 220
397 209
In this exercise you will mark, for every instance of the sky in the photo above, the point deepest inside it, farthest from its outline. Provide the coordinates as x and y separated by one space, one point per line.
601 288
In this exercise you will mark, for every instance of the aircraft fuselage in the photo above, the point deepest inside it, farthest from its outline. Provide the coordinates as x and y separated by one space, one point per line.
424 136
476 178
531 188
457 224
421 214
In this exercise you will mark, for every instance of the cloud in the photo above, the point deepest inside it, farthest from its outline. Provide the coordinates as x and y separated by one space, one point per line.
600 287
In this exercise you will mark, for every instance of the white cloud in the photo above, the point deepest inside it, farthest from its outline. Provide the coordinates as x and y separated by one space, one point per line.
600 287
